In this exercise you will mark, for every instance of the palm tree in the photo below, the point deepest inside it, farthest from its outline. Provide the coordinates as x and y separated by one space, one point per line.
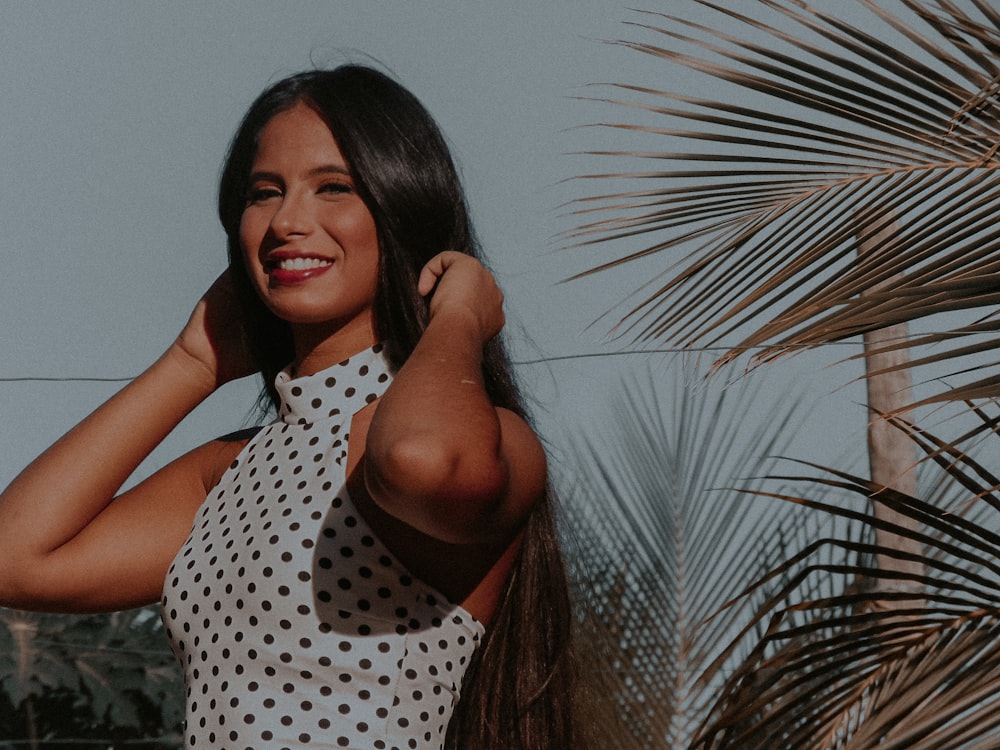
832 127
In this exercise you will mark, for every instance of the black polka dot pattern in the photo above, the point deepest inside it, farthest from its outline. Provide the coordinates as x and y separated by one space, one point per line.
295 626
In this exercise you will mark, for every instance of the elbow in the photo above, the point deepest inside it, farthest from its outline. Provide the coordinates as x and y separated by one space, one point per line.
440 489
16 589
34 583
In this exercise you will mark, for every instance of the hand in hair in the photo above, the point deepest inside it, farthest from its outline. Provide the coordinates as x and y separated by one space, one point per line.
64 545
440 456
215 338
460 284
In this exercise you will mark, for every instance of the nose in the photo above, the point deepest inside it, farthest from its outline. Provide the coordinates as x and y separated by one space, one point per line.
292 217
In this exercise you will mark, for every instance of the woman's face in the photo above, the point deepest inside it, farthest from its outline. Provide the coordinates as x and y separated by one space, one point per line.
308 240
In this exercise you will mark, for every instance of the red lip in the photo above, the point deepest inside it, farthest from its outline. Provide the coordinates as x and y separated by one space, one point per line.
288 276
278 275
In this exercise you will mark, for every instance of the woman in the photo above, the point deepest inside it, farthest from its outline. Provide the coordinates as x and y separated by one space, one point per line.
341 577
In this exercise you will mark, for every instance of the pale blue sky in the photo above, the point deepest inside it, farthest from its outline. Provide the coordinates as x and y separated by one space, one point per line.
114 121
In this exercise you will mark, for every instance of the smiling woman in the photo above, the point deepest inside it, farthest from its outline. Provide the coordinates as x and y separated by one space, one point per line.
378 567
309 241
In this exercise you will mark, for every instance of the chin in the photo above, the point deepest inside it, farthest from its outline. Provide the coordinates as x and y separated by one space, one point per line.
321 316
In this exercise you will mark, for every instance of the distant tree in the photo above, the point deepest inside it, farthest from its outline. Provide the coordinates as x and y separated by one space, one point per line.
101 677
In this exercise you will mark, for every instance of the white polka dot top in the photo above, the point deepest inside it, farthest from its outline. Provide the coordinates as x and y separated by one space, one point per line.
295 626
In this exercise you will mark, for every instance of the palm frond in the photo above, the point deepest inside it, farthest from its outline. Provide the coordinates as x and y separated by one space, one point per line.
659 544
846 671
823 134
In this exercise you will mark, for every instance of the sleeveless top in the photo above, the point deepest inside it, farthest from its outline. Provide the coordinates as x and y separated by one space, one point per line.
294 625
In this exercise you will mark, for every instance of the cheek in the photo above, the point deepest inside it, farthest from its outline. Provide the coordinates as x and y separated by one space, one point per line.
355 227
366 237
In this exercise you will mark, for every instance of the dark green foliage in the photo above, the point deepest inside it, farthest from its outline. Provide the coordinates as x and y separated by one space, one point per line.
110 678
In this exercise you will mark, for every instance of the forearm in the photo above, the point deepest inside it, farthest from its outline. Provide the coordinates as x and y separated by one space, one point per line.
435 431
440 388
66 487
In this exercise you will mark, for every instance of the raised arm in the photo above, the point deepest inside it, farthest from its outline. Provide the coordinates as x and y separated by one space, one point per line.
64 545
439 455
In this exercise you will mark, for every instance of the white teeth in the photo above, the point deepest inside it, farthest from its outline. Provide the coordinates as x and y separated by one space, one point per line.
301 264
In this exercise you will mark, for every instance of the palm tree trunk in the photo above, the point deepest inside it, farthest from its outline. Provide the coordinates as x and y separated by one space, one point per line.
891 454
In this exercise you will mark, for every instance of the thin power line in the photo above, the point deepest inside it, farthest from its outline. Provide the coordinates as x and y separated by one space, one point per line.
40 379
537 361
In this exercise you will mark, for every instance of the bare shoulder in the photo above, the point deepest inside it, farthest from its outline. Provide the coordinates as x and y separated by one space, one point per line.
519 435
526 465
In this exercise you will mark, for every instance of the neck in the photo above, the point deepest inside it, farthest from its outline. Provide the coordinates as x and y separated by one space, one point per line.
317 347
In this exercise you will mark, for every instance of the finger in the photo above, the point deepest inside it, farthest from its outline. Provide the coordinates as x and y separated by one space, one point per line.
428 278
434 270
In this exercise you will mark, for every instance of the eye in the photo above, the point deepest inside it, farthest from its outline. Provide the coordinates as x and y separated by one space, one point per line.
262 193
335 187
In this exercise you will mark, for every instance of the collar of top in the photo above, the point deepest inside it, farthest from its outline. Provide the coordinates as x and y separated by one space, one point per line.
336 392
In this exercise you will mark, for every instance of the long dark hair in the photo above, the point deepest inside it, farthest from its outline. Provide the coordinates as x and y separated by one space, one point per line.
518 690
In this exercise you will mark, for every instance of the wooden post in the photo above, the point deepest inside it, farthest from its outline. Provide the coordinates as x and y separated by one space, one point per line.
891 454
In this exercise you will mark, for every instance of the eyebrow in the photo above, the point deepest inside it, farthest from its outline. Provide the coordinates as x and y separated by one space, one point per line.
314 172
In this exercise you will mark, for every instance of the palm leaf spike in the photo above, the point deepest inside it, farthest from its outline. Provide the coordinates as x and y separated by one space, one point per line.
863 123
661 541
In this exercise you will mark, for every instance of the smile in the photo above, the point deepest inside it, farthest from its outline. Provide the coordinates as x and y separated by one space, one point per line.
296 270
301 264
